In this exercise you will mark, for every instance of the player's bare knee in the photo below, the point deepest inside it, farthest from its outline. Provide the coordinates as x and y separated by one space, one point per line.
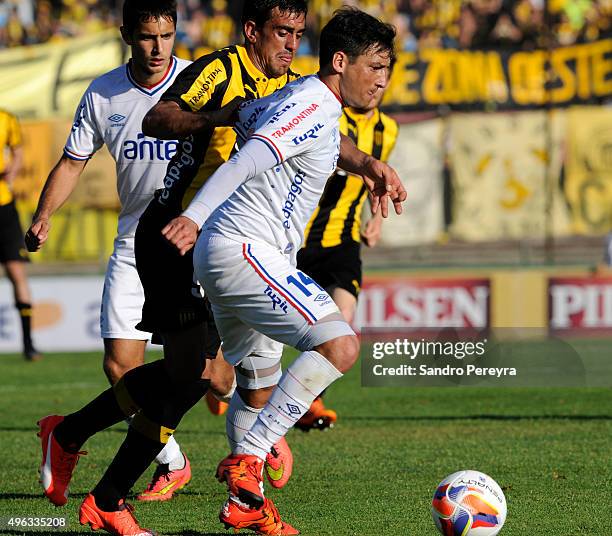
121 356
115 370
255 398
342 352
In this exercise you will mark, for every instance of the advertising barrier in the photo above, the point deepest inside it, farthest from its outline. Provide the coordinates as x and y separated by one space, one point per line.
534 302
405 302
580 306
66 314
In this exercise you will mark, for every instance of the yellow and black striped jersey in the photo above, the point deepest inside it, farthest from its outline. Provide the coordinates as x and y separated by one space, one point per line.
208 84
337 219
10 136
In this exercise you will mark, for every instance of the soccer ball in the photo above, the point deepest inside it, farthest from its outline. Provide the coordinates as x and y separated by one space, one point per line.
469 503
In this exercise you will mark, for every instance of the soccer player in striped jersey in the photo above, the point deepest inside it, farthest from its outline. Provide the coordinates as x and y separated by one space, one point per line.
331 253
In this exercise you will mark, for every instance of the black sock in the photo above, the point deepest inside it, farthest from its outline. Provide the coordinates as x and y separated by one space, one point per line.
144 441
134 456
112 406
78 427
25 314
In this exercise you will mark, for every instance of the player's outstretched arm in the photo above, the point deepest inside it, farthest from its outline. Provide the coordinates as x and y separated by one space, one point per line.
59 185
168 121
381 180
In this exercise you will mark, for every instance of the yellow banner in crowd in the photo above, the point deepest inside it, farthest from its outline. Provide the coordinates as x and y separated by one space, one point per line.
588 186
48 80
502 79
499 180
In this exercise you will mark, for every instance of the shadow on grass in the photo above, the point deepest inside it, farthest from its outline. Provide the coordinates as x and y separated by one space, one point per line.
483 417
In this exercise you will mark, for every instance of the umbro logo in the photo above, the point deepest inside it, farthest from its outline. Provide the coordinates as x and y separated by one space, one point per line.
321 297
116 118
293 410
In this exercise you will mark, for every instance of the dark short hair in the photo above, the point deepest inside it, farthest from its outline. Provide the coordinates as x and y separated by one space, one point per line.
354 32
260 11
137 11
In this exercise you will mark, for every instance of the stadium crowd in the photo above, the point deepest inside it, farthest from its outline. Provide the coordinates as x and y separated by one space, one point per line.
421 23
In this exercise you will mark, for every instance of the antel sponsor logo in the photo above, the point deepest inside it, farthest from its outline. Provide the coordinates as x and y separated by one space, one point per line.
580 304
419 303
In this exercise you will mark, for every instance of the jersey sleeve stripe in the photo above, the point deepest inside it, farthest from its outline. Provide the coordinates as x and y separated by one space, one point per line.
75 156
261 271
271 146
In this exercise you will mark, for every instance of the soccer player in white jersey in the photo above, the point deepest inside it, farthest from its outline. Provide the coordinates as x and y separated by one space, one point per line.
111 113
245 257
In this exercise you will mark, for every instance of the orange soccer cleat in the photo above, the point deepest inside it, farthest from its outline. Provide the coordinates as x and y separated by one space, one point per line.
121 522
215 406
264 520
243 474
166 483
57 464
317 417
279 464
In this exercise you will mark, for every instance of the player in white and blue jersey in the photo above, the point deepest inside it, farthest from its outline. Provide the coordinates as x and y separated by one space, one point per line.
110 113
252 213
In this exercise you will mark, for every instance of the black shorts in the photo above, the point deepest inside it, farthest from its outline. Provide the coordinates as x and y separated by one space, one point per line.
12 246
338 266
173 299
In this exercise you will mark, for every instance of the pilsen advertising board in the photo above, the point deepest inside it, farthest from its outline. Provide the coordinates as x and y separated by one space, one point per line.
580 305
402 302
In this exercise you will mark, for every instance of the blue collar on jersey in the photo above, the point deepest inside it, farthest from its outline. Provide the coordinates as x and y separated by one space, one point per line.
152 90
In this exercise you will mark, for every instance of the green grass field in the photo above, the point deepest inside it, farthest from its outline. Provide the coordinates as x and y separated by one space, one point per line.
374 474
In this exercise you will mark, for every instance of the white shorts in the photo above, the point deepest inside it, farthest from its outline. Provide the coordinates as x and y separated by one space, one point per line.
122 300
261 301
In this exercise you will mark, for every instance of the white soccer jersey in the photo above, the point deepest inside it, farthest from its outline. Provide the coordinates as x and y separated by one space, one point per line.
299 125
111 112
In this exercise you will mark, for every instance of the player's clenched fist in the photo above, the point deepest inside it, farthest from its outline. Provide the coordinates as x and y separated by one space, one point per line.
182 233
37 235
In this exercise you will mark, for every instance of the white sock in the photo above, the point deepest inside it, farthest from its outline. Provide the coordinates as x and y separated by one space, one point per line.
239 420
301 383
171 454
